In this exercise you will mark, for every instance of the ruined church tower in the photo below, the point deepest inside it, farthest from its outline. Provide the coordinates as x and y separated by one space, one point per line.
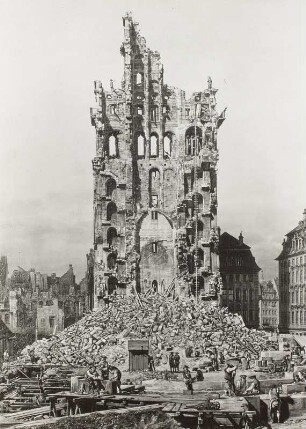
155 181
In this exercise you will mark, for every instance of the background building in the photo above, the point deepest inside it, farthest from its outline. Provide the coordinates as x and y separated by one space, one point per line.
155 181
269 305
239 273
292 279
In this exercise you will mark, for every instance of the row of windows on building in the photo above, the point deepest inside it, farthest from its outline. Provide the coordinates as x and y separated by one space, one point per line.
298 296
293 262
298 317
298 275
269 321
193 144
297 243
238 295
239 277
268 312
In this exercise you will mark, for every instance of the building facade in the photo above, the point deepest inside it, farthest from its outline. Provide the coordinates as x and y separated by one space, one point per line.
269 305
42 304
292 280
240 280
155 181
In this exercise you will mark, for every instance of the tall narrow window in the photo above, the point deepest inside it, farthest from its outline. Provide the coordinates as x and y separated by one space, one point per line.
138 79
110 187
111 211
167 146
154 247
140 146
154 113
154 215
153 145
154 200
112 146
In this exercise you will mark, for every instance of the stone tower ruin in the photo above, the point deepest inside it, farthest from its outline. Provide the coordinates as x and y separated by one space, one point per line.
155 181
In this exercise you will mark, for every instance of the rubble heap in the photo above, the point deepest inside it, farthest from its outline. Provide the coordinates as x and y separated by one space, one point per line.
168 323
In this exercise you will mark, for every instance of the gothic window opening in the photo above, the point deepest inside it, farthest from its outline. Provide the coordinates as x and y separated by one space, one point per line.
110 187
154 114
111 236
112 109
154 186
139 78
200 231
112 146
111 211
153 146
167 145
197 286
140 146
193 141
111 261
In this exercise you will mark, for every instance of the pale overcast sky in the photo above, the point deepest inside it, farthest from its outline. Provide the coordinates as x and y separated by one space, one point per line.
53 50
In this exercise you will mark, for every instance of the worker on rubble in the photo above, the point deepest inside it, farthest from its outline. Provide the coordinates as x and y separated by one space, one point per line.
274 405
171 362
115 376
254 387
176 360
241 385
94 379
229 377
188 380
104 368
151 363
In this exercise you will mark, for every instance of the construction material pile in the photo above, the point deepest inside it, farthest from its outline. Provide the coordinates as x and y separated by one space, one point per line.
167 323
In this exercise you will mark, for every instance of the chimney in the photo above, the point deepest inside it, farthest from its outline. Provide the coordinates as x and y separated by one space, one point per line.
241 238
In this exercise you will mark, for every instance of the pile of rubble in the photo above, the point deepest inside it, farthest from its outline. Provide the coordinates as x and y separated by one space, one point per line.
167 323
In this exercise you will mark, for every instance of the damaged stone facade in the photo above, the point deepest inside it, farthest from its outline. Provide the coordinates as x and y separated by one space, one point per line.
155 181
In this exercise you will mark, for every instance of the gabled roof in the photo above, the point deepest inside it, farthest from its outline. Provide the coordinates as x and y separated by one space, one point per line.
227 241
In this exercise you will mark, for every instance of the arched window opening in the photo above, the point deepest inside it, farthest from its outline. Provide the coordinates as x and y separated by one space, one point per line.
153 146
193 140
111 211
198 256
111 261
167 145
112 146
110 187
138 78
155 286
154 114
112 285
111 236
140 145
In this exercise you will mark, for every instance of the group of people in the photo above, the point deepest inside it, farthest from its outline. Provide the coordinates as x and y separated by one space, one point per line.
174 362
241 387
103 377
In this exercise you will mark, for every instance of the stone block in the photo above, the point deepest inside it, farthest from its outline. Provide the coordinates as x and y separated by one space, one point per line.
294 388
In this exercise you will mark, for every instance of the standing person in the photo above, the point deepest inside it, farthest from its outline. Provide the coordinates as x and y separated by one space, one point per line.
6 356
254 387
274 406
188 379
151 363
104 368
171 362
177 362
115 377
229 377
241 385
